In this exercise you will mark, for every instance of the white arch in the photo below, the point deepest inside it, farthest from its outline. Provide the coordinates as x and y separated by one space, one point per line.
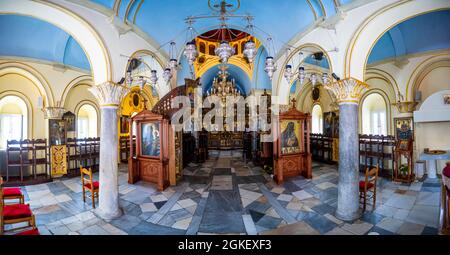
93 114
367 35
282 87
423 68
79 28
33 75
26 100
84 79
317 118
385 104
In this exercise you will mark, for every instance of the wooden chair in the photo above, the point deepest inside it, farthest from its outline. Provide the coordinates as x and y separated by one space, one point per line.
15 213
368 187
12 193
89 184
31 232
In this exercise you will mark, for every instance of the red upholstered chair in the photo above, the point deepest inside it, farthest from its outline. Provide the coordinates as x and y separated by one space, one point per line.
89 184
30 232
12 193
446 190
15 213
368 187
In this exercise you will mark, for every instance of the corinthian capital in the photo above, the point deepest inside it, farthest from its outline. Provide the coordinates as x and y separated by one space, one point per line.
109 93
53 112
348 91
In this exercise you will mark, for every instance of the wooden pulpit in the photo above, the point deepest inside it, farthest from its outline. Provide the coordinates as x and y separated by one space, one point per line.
150 161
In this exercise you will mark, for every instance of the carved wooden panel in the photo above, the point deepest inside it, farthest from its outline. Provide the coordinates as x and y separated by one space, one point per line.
150 170
292 166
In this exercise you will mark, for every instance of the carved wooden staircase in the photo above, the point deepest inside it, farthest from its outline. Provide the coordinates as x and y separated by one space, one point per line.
163 106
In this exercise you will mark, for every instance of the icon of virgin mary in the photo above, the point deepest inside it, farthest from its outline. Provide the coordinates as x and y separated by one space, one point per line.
288 137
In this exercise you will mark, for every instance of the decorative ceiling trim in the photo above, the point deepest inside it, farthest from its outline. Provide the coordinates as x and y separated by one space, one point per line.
137 10
125 17
323 8
312 9
116 7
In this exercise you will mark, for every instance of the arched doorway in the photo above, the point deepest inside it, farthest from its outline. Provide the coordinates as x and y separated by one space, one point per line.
317 119
87 121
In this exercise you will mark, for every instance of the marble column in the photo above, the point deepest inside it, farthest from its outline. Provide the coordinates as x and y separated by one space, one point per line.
109 96
348 92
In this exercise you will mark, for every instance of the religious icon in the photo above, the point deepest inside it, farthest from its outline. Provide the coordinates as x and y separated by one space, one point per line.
69 118
124 126
57 132
330 124
404 128
290 137
447 99
150 139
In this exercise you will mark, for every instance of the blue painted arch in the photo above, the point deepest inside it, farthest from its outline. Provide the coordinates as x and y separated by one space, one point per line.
23 36
427 32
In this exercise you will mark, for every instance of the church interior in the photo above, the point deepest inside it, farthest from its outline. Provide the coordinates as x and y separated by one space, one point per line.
117 117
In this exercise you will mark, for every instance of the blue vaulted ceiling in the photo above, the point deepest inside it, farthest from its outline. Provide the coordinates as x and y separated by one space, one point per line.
242 80
164 20
423 33
23 36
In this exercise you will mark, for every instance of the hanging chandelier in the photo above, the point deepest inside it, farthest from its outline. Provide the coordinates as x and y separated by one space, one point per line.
270 67
313 77
224 51
153 77
190 52
250 50
173 62
167 74
222 86
288 74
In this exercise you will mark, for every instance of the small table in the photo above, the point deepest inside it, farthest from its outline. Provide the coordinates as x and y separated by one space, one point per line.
432 158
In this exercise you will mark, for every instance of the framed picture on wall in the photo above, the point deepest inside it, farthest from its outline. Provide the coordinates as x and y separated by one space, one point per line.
290 136
124 125
150 139
447 99
404 128
69 118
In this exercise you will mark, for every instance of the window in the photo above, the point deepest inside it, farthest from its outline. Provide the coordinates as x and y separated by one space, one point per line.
317 120
374 115
87 121
13 119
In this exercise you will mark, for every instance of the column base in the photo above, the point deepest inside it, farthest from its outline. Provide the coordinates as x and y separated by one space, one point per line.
348 217
108 215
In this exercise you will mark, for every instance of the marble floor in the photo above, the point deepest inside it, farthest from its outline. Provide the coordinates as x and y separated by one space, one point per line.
225 195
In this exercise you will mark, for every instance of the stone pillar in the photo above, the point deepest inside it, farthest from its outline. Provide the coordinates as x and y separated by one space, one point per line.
109 96
348 92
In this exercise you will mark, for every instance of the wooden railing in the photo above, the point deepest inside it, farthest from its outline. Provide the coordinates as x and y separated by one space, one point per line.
377 149
164 105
